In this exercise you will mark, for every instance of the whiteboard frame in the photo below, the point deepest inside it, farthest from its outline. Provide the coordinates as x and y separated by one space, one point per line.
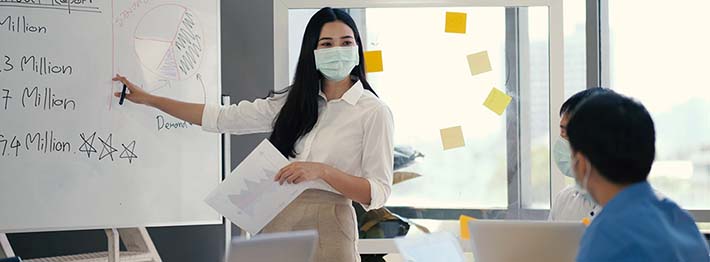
556 45
225 147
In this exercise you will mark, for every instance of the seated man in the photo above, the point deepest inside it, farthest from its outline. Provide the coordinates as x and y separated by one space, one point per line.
572 203
613 147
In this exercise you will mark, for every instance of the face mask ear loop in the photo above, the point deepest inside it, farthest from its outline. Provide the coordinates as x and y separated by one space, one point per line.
585 181
574 164
587 174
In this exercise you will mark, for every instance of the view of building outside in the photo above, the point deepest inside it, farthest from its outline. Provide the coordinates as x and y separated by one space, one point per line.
439 89
427 84
662 63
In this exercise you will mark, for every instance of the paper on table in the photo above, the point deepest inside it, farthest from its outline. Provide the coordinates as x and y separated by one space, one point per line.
497 101
452 137
250 197
373 61
439 246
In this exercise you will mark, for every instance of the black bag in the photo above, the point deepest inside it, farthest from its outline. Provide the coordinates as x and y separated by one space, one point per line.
379 223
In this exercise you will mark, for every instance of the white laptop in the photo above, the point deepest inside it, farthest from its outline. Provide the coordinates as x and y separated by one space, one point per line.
289 246
530 241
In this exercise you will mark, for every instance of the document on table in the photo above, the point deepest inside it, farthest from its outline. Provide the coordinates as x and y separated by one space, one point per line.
250 197
434 247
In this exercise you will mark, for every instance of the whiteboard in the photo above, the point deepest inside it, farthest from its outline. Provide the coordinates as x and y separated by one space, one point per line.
70 156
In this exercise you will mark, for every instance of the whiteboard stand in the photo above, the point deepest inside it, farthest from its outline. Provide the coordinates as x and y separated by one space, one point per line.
226 170
5 248
226 100
114 244
139 248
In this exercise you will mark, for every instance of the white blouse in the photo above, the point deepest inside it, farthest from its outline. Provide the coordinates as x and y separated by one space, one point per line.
353 134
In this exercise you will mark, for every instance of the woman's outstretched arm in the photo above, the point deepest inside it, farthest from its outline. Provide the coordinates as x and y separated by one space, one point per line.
189 112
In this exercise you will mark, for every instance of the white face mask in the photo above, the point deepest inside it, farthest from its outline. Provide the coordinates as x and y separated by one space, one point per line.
335 63
561 154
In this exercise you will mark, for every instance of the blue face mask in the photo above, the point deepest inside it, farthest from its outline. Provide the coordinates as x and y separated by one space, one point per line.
335 63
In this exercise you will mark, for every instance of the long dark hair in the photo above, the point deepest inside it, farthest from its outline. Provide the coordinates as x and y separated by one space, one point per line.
300 112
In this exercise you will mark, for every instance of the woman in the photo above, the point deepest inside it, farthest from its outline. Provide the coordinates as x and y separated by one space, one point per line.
329 123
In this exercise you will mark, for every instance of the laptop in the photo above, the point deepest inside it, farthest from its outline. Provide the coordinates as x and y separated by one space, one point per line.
530 241
297 246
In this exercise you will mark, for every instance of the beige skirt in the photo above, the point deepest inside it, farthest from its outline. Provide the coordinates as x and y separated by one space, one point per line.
330 214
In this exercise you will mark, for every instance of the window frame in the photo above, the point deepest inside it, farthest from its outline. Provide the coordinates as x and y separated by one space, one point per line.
516 136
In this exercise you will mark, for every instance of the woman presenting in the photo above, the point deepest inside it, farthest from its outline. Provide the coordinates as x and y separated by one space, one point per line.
329 123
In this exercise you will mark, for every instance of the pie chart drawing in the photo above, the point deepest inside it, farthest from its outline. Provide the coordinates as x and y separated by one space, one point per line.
169 42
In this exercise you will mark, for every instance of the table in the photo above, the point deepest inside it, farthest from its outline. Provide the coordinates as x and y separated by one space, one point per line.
387 246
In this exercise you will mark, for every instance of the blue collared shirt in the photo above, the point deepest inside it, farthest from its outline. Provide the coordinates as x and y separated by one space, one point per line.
636 225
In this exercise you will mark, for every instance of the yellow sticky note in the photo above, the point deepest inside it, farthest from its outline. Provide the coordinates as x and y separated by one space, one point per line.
479 63
373 61
455 22
463 221
452 137
586 221
497 101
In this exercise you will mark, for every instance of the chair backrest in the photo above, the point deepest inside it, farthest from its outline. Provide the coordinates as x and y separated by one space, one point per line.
289 246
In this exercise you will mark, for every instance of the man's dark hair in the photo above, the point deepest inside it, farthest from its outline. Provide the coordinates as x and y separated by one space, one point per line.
616 134
574 100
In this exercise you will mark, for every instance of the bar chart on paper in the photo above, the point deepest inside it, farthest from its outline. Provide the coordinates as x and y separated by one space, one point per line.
255 192
250 197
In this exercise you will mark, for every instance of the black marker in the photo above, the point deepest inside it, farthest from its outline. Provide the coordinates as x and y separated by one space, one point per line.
123 95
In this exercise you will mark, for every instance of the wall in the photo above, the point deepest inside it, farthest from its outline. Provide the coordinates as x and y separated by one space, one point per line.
247 61
247 64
